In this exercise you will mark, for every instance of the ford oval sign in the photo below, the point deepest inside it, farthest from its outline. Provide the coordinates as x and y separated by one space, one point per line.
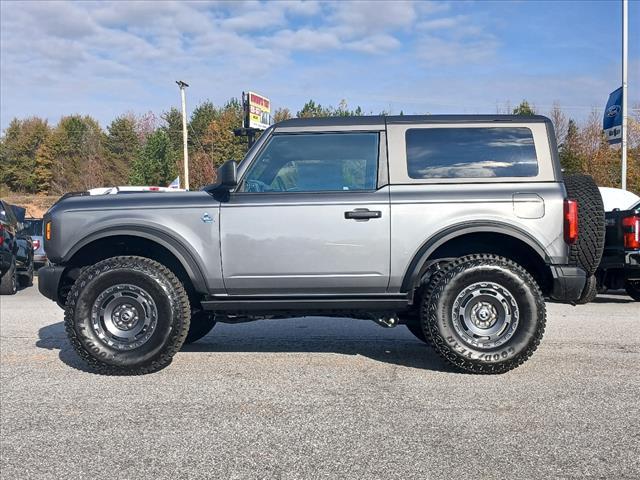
613 110
612 117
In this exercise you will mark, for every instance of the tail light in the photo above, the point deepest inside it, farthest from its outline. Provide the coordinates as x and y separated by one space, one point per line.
570 221
36 244
631 232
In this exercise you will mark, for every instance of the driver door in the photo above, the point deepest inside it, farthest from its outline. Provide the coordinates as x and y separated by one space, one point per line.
308 218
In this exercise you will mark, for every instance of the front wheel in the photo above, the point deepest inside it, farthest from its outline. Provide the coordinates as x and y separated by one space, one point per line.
127 315
485 314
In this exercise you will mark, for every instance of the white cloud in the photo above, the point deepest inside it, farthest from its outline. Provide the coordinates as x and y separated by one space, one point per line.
375 44
104 58
303 39
353 18
442 23
438 51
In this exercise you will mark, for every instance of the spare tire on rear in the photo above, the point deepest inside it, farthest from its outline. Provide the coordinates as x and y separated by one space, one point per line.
587 250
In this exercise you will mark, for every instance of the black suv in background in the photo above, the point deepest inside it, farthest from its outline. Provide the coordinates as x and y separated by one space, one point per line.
620 264
16 250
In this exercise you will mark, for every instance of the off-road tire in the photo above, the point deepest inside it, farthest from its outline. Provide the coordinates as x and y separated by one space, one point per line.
438 308
587 251
172 317
633 289
412 322
412 318
589 292
9 281
201 323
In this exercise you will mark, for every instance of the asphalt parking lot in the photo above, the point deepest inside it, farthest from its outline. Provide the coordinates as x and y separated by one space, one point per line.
323 398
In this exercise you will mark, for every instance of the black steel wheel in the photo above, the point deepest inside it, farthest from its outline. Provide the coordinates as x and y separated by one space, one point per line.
485 314
127 315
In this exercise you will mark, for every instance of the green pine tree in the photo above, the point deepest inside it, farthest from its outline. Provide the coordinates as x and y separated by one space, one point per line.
524 109
155 163
122 145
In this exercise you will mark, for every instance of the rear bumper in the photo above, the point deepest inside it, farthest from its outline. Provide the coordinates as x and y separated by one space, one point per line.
568 283
49 281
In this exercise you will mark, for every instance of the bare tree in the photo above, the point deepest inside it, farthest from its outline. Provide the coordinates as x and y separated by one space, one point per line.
560 122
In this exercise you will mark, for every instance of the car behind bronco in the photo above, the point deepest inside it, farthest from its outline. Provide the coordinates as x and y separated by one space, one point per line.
620 264
457 226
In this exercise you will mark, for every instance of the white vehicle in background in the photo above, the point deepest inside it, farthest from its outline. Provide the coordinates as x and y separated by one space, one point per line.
617 198
131 189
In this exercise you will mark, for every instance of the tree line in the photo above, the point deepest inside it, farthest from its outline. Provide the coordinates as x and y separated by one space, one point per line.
78 154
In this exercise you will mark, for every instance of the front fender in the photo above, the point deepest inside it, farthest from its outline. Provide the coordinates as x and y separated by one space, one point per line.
171 241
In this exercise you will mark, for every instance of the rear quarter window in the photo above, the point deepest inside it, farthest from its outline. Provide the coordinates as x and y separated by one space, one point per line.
481 152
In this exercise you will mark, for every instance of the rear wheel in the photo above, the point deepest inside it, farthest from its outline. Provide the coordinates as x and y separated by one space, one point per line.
127 315
485 314
587 251
8 282
412 321
589 292
633 289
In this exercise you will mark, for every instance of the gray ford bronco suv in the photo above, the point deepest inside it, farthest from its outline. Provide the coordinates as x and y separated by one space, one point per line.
456 226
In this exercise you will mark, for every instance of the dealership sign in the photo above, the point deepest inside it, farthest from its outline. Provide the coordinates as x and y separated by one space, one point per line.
612 119
258 111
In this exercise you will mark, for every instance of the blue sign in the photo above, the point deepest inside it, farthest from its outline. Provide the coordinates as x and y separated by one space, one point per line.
612 120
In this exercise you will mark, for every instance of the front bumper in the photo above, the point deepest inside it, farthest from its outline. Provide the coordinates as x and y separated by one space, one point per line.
568 283
49 281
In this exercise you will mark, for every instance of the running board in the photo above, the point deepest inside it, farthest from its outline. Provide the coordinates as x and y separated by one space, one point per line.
265 304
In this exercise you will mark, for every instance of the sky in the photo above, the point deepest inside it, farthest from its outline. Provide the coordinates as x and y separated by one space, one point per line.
108 58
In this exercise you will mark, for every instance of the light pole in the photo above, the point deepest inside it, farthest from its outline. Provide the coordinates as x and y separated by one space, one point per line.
182 86
625 52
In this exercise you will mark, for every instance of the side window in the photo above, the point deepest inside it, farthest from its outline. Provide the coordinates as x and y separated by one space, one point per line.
322 162
471 152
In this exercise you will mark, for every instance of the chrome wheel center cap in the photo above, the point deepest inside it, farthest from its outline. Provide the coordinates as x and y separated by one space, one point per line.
484 315
125 316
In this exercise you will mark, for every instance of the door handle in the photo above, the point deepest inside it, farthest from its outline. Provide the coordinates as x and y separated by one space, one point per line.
362 214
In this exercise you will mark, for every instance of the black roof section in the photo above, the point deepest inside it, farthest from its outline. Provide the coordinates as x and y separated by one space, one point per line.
400 119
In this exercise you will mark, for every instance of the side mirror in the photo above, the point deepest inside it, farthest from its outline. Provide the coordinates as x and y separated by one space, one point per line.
228 174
